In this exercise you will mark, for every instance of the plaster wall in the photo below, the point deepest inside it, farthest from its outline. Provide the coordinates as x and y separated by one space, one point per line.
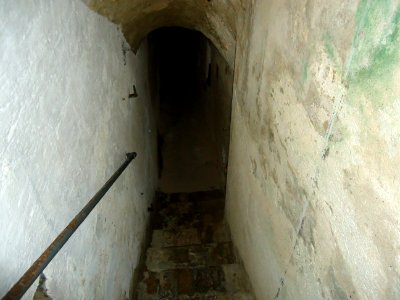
313 182
66 123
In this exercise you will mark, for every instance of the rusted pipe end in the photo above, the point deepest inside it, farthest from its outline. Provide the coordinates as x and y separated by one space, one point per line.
131 155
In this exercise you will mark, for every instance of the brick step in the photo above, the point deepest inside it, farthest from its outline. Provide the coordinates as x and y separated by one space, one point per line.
222 296
202 283
187 220
196 256
207 296
188 210
184 207
212 208
183 236
190 197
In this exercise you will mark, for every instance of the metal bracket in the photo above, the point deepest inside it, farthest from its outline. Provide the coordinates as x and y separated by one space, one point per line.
134 94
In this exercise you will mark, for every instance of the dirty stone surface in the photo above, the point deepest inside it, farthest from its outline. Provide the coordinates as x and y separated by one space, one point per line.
191 254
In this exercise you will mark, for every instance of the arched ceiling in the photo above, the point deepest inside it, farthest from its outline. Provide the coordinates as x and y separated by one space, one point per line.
216 19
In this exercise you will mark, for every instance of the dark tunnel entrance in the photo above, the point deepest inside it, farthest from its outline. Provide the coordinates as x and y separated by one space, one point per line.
194 85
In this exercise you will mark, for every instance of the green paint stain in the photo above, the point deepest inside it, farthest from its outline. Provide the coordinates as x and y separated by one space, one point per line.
305 70
329 47
332 53
361 109
375 53
370 18
337 291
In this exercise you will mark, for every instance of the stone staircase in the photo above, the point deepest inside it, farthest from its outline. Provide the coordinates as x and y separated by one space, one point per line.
191 254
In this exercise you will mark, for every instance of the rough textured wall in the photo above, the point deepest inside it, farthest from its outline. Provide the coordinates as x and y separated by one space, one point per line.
313 181
66 123
215 19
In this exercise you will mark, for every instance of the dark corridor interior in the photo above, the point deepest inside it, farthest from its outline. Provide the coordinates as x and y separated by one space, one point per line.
178 60
190 253
190 148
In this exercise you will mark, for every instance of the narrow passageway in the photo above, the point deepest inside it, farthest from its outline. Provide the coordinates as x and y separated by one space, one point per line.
188 152
191 255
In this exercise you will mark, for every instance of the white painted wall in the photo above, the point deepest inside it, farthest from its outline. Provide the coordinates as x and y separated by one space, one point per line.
65 129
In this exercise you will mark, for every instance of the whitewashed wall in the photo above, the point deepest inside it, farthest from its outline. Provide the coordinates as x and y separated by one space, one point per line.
64 129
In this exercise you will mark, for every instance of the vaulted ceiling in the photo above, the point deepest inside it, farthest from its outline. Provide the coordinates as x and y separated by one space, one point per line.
216 19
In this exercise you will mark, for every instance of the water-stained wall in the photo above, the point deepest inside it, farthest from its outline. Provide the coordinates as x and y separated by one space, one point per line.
313 181
66 123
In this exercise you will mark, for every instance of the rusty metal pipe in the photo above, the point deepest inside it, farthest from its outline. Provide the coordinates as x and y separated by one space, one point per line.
23 284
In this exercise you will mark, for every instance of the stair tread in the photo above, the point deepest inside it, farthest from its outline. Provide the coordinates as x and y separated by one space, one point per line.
173 237
183 236
224 278
187 220
181 209
212 254
220 296
206 296
204 283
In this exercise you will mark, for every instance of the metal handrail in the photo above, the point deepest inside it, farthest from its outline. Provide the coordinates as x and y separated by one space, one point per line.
23 284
